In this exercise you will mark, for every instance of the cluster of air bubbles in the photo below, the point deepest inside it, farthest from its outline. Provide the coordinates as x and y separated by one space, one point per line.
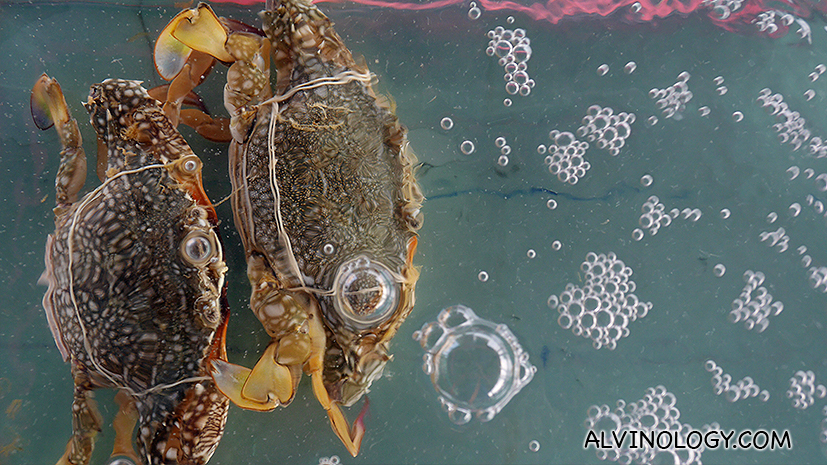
723 8
777 238
652 415
817 72
742 389
602 309
817 275
672 100
777 23
607 130
474 12
332 460
803 389
505 150
790 126
460 339
654 216
721 89
513 50
818 147
565 156
754 305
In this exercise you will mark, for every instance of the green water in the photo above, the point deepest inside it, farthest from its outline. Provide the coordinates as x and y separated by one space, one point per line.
481 216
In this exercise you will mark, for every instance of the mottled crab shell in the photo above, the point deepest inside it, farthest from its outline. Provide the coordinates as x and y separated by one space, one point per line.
336 168
135 276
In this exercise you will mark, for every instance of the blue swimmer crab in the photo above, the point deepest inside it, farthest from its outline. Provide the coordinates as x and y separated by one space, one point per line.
324 199
135 273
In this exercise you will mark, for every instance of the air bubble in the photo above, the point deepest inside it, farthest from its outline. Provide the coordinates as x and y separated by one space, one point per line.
793 172
725 213
635 8
813 76
809 94
602 70
721 90
499 142
737 116
482 276
771 217
507 102
446 123
506 150
474 13
467 147
646 180
653 120
718 80
500 365
509 20
556 245
719 270
502 160
630 67
637 234
795 209
534 446
542 149
551 204
704 111
531 253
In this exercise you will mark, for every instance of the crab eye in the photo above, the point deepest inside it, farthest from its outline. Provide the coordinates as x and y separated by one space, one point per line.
365 292
198 248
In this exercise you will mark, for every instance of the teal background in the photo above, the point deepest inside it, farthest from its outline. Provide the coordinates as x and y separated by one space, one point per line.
480 216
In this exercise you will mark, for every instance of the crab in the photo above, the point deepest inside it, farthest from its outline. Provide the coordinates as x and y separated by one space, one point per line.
136 298
324 199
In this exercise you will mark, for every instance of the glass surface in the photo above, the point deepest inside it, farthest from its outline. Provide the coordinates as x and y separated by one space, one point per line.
726 161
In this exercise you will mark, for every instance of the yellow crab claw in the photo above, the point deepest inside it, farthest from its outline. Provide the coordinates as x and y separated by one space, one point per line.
196 28
263 388
47 103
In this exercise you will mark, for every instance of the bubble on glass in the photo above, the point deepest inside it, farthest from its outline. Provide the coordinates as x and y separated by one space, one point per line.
809 172
505 150
541 149
637 234
722 90
474 13
719 270
477 366
630 67
507 102
652 120
725 213
793 172
737 116
466 147
509 20
771 217
646 180
482 276
820 68
809 94
603 69
704 111
446 123
502 160
556 245
813 76
551 204
718 80
795 209
531 253
821 182
534 445
499 141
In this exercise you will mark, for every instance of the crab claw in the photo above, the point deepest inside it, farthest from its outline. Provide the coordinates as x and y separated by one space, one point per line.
195 28
49 108
263 388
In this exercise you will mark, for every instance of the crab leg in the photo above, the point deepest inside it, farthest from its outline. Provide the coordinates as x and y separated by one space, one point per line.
49 108
86 423
124 425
